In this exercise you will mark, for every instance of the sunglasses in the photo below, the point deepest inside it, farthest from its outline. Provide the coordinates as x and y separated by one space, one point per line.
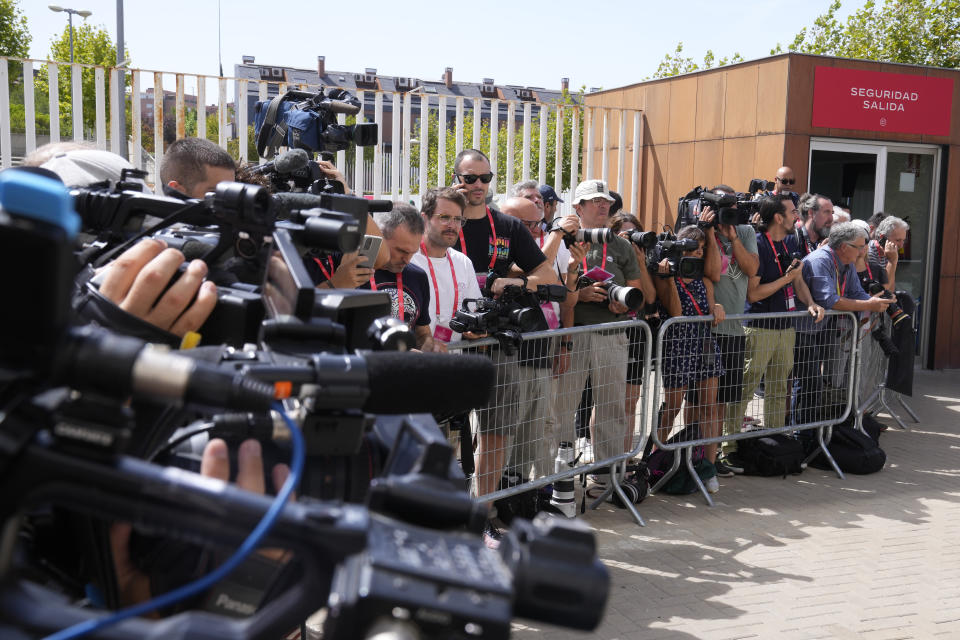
470 178
787 180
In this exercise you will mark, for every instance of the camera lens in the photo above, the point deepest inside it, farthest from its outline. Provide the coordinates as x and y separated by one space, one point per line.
644 239
630 297
594 236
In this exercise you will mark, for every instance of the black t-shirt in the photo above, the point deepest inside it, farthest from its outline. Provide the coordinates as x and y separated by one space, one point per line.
416 294
769 271
514 244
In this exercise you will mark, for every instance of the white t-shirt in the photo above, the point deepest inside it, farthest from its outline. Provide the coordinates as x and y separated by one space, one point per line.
443 289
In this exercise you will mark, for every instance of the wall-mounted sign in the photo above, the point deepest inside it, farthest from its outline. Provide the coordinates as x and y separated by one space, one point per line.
875 101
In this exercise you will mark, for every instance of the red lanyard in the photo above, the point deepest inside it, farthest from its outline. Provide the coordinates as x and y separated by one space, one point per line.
695 305
328 276
436 288
373 285
840 290
772 248
493 234
602 264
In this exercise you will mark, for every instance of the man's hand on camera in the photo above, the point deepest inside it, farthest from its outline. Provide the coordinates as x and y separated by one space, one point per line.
136 280
728 231
617 308
592 293
570 224
501 283
331 172
876 303
707 216
663 267
351 273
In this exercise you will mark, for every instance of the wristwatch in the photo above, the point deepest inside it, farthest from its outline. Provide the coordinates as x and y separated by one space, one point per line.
566 344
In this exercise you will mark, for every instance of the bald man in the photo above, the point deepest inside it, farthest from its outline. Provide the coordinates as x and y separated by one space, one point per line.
783 184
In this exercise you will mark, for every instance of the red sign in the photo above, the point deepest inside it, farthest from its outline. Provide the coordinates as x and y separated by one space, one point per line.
875 101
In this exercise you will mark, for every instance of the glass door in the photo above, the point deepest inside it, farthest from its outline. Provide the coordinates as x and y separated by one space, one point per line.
898 179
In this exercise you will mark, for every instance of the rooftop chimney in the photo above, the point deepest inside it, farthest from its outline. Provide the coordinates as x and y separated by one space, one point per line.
565 84
448 77
321 65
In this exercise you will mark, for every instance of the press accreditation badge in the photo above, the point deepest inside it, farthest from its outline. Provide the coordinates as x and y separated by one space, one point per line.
442 334
551 316
791 299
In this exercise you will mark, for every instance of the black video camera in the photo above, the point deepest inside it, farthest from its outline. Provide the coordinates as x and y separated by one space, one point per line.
646 240
515 312
894 310
671 249
730 209
789 261
304 120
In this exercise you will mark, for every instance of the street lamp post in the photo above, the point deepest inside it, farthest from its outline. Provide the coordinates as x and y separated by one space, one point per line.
83 13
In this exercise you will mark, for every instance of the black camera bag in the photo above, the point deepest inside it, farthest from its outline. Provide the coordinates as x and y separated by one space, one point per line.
773 455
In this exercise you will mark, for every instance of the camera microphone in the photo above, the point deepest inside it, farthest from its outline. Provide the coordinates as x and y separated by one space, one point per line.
101 361
288 162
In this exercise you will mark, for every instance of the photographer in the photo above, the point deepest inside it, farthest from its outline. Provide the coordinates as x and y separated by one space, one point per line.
884 250
191 167
691 358
832 279
603 356
730 261
776 288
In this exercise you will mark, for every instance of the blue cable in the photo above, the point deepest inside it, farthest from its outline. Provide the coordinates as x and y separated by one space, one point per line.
298 455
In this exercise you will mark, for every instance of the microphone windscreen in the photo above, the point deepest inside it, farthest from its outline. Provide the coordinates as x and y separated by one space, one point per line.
288 201
193 249
291 161
437 383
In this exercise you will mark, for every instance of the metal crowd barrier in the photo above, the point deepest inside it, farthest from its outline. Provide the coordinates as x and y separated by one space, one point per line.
534 404
872 391
808 383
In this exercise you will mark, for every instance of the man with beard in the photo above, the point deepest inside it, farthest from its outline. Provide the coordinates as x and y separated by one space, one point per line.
494 242
813 227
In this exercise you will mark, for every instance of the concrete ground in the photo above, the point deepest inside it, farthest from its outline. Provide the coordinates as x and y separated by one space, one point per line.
809 556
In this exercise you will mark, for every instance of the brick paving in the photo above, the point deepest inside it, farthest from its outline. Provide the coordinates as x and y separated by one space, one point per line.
805 557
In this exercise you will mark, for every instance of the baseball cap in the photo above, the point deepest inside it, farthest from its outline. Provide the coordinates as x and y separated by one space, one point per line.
83 167
590 189
548 194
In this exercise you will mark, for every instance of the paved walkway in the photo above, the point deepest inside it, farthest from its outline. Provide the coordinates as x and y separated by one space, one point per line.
807 557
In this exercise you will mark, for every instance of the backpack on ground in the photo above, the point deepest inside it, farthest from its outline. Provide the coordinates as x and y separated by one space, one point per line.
854 452
773 455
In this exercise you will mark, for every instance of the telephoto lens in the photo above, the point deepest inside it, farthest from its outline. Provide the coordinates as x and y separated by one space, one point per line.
595 236
644 239
630 297
563 490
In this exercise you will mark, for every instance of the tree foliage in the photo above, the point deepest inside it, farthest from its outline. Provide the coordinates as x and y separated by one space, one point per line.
14 33
673 64
909 31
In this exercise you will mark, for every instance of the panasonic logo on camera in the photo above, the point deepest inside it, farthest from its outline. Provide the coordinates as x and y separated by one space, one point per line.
236 606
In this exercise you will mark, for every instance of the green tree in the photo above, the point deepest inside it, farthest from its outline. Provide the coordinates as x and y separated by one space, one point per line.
673 64
923 32
14 34
91 45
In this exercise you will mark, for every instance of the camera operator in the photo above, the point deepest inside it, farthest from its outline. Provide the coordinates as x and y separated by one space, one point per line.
776 288
832 279
884 249
730 261
191 167
494 242
813 227
450 272
604 357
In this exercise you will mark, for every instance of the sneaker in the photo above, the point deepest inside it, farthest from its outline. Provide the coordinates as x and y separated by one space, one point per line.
723 470
733 462
712 485
585 450
492 534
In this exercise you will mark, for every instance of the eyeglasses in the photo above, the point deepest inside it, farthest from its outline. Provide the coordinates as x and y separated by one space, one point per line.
470 178
532 224
599 201
858 247
787 180
453 220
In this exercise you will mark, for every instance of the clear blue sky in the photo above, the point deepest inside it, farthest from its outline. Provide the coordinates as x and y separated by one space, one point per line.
597 44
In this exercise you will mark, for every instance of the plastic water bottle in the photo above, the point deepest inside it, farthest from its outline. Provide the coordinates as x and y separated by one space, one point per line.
563 490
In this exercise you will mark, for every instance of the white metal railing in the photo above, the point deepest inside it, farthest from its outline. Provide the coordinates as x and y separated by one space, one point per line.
414 163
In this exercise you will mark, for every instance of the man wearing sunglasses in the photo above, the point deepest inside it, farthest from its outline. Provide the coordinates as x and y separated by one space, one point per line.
494 242
783 184
831 276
